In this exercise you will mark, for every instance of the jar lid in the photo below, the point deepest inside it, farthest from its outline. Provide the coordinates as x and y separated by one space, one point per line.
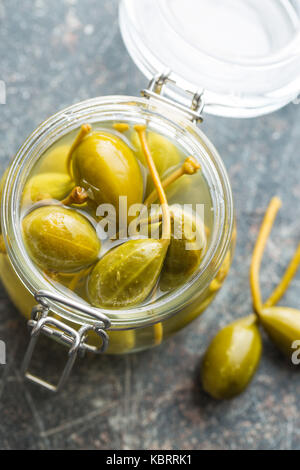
244 55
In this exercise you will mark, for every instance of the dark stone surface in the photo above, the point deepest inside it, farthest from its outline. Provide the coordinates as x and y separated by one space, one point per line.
60 52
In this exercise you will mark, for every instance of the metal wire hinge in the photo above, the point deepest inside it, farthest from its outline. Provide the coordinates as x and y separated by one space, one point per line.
155 90
42 322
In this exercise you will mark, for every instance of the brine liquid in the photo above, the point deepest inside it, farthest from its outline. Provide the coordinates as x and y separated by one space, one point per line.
188 189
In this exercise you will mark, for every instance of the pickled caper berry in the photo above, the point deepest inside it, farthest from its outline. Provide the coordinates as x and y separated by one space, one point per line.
106 168
60 239
232 358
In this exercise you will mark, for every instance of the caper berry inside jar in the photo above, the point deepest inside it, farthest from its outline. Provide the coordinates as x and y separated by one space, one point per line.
63 240
66 237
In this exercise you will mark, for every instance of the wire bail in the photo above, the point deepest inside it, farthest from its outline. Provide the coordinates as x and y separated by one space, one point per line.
157 86
42 322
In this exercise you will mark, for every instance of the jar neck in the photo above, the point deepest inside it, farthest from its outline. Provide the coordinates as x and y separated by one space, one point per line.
133 110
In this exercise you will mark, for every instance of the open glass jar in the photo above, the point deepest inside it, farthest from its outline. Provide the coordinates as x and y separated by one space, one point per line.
226 80
131 329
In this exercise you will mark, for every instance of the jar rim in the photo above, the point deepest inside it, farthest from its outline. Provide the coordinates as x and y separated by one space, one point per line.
51 131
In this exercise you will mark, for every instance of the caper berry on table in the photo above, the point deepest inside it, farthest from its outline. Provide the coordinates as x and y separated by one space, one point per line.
232 358
234 353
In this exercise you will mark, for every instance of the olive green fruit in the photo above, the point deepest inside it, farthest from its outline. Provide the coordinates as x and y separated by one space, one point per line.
186 249
165 155
60 239
282 325
47 185
55 159
106 168
232 358
126 275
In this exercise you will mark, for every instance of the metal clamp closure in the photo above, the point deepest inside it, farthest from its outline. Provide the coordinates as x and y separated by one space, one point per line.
41 322
155 90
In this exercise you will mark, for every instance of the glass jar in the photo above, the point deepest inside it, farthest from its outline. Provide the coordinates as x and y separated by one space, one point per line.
243 54
58 313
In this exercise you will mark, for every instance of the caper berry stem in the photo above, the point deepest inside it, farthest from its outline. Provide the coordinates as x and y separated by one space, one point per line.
290 272
166 232
189 167
85 129
258 251
158 333
78 195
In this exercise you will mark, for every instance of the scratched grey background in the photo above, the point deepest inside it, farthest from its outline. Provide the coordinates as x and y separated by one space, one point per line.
56 53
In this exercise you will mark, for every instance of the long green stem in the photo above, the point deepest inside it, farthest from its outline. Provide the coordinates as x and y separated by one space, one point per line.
166 232
290 272
258 251
189 167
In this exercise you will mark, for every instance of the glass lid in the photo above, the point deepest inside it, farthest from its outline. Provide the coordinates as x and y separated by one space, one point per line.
244 55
